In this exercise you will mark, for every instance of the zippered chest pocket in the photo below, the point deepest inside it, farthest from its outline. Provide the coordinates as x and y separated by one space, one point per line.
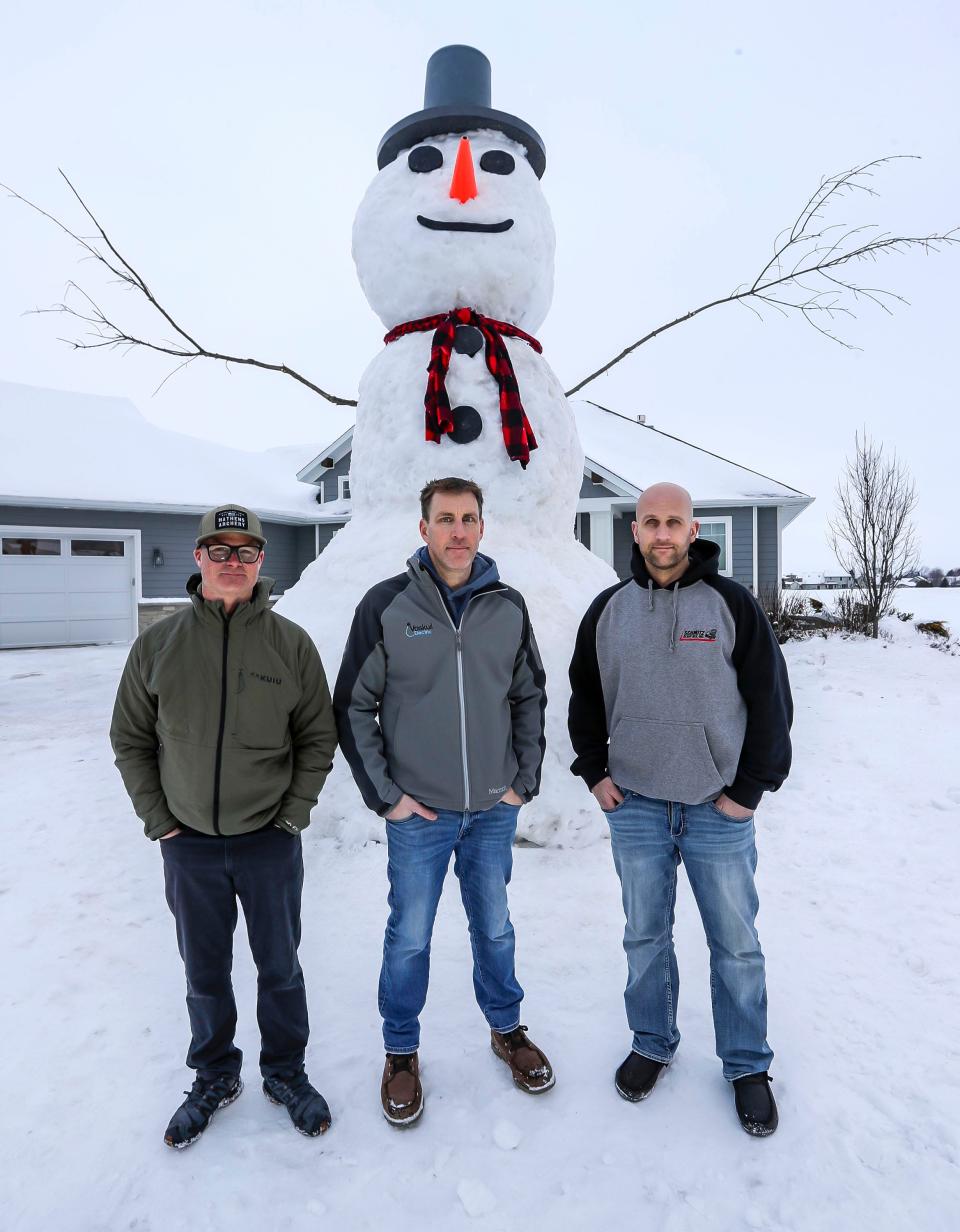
264 698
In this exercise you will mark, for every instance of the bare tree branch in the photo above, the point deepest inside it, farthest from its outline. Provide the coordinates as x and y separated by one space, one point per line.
807 250
104 332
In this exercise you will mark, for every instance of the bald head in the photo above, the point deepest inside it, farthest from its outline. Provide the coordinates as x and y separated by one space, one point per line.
664 529
666 496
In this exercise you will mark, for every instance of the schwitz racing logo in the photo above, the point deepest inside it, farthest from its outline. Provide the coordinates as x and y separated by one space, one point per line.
699 635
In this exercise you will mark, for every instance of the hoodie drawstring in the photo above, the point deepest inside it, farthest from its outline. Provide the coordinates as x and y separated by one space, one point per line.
676 605
673 627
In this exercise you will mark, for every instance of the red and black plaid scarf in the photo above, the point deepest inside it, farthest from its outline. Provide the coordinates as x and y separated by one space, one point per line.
517 434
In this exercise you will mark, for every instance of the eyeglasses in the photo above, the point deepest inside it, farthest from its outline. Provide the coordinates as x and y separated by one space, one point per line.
220 553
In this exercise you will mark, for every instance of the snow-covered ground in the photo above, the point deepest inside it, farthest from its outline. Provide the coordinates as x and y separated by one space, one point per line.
925 603
860 895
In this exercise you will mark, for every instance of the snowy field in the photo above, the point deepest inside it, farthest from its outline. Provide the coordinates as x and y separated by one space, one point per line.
860 896
927 603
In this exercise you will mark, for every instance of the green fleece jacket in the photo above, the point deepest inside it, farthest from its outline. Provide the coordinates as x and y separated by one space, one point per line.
223 723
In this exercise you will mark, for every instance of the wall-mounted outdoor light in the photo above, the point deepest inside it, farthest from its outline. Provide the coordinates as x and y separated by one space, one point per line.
158 558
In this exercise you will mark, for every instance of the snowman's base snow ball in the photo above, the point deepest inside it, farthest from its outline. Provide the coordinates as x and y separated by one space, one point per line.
557 576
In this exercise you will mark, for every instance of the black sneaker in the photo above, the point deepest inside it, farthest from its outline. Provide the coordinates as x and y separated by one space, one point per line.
756 1106
637 1077
196 1112
307 1107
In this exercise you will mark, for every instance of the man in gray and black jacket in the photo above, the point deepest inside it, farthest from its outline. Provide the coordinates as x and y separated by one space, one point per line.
440 711
680 716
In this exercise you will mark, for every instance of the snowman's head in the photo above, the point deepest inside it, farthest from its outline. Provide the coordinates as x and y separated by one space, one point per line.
420 251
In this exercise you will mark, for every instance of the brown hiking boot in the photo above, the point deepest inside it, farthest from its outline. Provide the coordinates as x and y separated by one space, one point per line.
530 1068
400 1091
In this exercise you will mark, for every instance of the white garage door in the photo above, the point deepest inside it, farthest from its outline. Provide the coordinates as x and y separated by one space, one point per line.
66 588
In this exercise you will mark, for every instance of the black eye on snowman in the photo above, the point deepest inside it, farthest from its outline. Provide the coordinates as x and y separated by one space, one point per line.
425 158
499 162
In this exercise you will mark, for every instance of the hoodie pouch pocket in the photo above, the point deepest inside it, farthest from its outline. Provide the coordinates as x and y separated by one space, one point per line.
664 760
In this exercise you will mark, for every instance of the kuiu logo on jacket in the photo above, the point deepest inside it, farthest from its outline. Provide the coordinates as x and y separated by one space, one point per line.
413 630
699 635
266 679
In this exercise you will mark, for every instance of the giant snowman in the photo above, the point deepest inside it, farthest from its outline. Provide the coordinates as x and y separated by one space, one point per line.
454 248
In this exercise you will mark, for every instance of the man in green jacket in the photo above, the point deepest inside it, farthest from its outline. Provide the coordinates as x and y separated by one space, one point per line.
224 733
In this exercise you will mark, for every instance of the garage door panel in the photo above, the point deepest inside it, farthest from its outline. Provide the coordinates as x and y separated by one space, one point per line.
98 575
20 607
81 631
31 575
33 633
100 604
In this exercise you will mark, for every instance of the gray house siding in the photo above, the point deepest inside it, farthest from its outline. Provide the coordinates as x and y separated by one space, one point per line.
622 543
590 490
330 482
174 535
742 528
767 549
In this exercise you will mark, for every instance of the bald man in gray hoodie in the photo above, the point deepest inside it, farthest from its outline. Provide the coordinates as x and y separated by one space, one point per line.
680 718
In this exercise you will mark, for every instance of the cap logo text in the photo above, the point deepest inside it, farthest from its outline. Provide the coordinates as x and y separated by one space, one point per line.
231 519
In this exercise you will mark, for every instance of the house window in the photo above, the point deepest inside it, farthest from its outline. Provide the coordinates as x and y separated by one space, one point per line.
31 547
720 531
96 547
344 485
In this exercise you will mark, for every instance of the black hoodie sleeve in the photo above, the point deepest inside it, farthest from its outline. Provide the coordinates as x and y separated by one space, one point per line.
765 687
587 716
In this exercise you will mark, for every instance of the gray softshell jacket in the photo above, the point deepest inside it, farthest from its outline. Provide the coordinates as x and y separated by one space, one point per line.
451 716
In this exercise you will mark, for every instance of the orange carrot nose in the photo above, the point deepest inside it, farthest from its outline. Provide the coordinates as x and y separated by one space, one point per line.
463 186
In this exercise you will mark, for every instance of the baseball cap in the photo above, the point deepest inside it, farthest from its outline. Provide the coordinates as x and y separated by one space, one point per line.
232 520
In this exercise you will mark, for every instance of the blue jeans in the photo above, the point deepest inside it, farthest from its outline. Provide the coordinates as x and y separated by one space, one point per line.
418 856
649 838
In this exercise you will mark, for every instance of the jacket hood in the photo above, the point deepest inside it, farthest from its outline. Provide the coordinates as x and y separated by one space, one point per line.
214 608
704 560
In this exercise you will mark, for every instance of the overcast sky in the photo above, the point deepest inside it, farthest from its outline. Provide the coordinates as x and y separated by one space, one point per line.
226 147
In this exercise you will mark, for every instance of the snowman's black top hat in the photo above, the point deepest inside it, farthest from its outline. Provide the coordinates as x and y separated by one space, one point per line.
456 99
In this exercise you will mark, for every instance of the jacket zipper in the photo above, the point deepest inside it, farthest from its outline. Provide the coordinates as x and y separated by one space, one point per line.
218 761
463 704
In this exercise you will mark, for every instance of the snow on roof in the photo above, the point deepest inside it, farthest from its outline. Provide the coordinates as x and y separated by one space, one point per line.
92 451
639 455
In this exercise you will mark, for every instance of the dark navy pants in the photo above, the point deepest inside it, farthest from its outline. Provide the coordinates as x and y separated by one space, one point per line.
204 878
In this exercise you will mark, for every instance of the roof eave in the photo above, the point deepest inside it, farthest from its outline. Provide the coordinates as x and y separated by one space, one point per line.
283 516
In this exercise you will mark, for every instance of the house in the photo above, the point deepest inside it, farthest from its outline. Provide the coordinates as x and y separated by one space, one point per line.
819 581
741 510
99 507
99 510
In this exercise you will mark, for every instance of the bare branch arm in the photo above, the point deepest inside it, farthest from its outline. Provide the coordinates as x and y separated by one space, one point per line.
105 333
807 253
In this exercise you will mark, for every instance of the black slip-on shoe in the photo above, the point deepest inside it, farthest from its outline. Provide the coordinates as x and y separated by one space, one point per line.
756 1107
205 1097
307 1107
637 1077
